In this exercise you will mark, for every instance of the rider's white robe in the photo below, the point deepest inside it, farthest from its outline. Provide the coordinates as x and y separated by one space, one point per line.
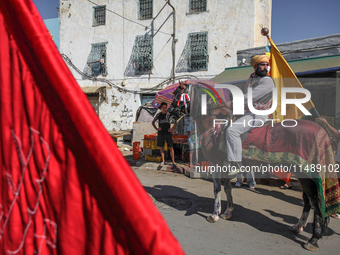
249 120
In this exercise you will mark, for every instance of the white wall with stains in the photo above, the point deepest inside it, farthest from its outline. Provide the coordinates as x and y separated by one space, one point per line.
231 25
119 112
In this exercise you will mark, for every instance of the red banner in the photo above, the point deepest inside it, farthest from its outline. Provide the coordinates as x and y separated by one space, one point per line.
65 187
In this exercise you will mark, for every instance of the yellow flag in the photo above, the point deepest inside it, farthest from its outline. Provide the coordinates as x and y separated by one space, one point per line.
284 76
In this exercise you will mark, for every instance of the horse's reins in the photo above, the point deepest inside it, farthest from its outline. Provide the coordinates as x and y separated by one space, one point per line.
206 133
211 130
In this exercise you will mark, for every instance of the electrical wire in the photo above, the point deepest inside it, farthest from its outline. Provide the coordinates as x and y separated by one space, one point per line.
162 49
154 88
163 32
146 27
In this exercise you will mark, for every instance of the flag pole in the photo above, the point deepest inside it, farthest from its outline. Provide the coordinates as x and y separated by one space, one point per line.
265 32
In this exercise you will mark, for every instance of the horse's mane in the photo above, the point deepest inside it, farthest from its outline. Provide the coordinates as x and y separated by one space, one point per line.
196 101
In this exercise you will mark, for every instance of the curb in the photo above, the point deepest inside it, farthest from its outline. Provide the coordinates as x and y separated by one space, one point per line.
146 164
192 174
153 165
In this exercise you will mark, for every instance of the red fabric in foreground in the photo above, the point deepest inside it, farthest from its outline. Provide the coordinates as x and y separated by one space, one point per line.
64 188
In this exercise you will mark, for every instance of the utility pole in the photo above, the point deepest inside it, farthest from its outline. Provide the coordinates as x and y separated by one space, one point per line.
173 42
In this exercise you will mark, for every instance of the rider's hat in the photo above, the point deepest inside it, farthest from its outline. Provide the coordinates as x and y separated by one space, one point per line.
258 59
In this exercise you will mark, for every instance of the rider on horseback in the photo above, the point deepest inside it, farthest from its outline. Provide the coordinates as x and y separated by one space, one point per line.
262 86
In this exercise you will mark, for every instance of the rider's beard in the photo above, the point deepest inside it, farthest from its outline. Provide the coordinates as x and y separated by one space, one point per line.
260 72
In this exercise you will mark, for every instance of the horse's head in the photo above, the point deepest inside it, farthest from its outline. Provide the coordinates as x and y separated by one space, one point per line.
216 109
215 106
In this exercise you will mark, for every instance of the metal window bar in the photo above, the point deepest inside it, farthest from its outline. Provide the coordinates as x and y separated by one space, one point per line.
145 9
99 15
198 56
97 59
198 6
143 54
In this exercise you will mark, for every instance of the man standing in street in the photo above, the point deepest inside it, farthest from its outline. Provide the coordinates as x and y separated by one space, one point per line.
164 133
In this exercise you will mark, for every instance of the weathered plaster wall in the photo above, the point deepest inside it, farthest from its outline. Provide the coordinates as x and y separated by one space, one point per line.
119 112
231 26
263 14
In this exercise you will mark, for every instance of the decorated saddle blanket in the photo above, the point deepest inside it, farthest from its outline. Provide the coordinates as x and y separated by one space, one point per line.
307 147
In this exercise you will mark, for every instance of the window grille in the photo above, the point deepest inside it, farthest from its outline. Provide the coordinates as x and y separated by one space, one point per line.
97 59
99 15
198 48
197 6
143 54
145 9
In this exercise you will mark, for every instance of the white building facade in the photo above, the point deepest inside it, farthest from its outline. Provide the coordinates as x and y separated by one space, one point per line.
122 52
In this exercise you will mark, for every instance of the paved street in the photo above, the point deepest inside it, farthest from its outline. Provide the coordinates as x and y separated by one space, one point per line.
259 224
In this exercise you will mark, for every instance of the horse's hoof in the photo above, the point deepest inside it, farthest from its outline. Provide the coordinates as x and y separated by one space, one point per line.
212 218
295 229
226 216
310 247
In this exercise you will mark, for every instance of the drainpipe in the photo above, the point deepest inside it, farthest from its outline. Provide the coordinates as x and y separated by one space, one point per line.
173 42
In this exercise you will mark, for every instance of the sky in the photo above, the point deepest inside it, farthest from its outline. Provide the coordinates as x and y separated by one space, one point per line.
292 20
